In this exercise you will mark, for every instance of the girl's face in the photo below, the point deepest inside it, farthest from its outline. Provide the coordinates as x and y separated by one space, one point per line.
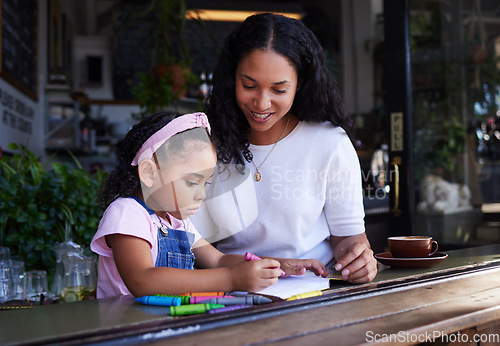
179 188
266 84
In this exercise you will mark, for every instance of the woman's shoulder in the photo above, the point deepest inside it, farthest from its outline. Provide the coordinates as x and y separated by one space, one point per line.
327 139
324 131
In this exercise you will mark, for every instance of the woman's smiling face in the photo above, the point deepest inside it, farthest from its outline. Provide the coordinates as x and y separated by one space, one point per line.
266 84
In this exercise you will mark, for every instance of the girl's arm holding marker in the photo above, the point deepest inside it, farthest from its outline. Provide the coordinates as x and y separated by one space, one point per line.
134 263
219 272
254 276
291 266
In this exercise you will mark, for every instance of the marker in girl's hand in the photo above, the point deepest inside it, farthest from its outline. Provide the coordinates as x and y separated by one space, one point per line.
251 257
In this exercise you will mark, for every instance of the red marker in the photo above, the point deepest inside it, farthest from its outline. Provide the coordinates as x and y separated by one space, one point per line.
251 257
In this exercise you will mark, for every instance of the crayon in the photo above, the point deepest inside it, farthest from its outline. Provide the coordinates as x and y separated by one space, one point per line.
198 300
228 308
162 301
306 295
335 277
250 300
193 309
184 299
258 299
251 257
239 293
244 294
200 294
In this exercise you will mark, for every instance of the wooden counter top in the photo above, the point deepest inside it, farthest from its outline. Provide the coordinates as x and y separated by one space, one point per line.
460 293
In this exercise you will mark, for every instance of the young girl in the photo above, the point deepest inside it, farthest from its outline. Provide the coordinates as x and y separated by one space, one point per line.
145 241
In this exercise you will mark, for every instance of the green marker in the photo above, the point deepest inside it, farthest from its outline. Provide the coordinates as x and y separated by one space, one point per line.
193 309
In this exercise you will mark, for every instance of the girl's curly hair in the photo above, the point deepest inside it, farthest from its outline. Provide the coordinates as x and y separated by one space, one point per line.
318 99
124 181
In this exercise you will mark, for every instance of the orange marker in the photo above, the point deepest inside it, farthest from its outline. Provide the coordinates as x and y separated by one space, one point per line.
203 294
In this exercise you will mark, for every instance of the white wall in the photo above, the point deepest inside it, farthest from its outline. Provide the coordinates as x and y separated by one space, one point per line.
22 127
100 46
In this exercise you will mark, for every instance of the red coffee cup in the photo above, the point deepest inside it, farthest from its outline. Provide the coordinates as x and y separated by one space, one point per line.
415 246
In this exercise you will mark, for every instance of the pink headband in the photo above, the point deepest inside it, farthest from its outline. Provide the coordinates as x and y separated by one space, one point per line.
179 124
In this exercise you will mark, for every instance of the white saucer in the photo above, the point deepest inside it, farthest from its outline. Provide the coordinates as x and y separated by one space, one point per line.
401 262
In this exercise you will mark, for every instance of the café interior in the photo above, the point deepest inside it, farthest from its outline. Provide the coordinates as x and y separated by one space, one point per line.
420 78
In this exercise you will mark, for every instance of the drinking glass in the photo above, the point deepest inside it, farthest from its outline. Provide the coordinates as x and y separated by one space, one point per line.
4 254
79 278
35 284
18 269
6 283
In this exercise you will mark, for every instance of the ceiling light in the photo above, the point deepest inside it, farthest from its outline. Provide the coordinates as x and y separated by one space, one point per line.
230 16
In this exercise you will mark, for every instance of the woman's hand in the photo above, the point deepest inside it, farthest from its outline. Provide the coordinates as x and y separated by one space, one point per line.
253 276
293 266
354 258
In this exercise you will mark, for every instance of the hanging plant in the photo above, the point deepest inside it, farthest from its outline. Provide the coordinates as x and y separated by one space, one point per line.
160 27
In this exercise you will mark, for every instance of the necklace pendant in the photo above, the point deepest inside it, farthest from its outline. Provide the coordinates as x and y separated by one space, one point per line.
257 176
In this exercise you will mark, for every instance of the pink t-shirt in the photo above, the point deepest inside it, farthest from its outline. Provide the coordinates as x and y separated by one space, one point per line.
127 216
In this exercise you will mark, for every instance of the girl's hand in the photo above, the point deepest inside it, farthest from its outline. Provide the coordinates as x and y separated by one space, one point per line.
253 276
355 259
293 266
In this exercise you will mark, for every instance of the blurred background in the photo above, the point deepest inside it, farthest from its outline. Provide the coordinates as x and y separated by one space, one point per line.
420 77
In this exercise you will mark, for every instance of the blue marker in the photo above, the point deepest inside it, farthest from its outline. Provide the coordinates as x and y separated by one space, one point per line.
161 301
184 299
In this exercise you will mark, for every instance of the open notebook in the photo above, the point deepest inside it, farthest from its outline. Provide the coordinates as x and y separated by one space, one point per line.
290 286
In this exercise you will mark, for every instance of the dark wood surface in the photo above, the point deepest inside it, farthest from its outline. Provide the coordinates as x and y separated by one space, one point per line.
462 292
412 314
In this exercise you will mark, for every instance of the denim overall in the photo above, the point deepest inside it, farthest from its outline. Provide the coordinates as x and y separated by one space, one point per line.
174 246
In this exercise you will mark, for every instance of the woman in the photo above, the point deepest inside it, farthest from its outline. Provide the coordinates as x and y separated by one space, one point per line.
288 181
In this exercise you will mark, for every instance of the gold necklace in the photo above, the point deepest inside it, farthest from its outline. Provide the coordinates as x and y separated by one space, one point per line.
258 175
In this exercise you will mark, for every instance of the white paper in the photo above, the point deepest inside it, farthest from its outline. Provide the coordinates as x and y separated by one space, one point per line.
292 285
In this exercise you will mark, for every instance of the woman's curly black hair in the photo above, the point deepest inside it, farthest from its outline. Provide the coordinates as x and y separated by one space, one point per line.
318 99
124 181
